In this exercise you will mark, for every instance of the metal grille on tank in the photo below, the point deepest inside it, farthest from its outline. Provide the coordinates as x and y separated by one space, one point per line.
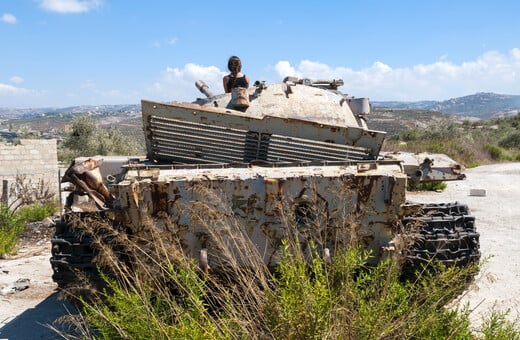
189 142
288 149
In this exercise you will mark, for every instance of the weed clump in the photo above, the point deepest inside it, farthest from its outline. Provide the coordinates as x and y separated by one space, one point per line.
11 226
161 289
471 144
32 202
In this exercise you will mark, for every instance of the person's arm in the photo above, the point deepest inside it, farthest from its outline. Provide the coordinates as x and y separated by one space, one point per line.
225 82
247 82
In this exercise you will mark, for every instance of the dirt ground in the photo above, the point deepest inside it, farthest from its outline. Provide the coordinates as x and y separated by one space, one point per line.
498 222
24 314
27 307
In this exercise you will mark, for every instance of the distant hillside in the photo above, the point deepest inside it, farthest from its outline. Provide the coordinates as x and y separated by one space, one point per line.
53 122
72 110
483 105
393 120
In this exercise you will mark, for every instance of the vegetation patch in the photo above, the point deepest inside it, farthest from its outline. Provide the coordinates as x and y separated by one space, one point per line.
470 143
155 290
11 226
427 186
497 153
511 141
37 211
87 139
34 202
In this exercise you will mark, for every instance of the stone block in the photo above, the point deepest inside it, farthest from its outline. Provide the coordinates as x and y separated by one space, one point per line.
477 192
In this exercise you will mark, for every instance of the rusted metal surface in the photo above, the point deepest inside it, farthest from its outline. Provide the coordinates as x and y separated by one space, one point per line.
186 134
297 120
299 160
86 176
253 197
428 167
265 201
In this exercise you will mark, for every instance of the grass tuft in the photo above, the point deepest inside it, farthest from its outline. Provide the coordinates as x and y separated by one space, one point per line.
156 288
11 226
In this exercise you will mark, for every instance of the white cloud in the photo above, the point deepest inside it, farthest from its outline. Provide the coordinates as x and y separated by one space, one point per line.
170 41
440 80
70 6
16 80
10 90
491 72
8 18
90 86
381 68
179 83
284 69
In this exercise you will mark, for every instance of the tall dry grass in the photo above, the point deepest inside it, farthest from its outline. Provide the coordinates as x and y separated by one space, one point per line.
156 290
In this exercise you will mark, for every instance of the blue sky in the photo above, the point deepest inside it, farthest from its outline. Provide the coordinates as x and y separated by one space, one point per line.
56 53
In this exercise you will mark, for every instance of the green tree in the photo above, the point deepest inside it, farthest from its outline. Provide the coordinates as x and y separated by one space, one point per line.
87 139
82 138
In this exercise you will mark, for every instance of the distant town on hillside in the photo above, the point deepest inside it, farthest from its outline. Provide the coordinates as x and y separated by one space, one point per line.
482 105
389 116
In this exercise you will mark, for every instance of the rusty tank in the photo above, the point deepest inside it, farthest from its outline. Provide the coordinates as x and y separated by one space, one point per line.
295 156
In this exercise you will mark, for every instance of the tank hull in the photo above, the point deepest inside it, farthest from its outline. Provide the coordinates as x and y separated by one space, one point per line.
298 163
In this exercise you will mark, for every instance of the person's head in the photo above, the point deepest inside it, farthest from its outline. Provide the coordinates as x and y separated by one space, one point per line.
234 64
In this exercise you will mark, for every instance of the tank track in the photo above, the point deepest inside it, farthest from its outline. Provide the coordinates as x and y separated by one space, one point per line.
72 256
446 233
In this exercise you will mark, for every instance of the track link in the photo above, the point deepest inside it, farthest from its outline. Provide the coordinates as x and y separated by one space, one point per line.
72 255
445 233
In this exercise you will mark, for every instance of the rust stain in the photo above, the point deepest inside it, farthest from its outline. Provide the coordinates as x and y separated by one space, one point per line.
135 194
159 197
239 203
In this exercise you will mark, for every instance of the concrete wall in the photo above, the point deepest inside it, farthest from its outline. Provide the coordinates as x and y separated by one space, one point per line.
36 159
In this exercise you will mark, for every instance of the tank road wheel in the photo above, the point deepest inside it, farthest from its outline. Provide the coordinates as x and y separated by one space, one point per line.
446 233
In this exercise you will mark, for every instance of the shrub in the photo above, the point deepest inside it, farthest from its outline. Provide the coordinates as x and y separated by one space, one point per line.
428 186
11 226
497 326
37 211
409 135
497 153
304 300
88 140
511 141
162 293
469 144
473 164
